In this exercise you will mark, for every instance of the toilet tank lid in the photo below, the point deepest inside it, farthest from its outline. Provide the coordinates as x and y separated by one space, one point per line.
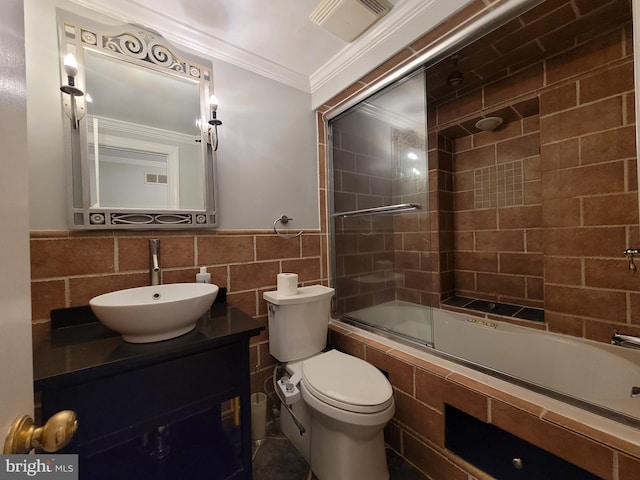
305 294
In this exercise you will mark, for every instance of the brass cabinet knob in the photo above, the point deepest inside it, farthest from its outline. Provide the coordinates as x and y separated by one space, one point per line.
51 437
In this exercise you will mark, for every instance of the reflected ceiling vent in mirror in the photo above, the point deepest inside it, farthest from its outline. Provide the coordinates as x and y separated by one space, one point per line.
348 19
489 124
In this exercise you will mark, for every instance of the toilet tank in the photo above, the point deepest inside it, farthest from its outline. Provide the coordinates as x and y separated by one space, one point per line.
298 323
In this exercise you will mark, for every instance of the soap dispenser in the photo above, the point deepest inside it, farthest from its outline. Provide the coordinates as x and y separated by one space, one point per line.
203 276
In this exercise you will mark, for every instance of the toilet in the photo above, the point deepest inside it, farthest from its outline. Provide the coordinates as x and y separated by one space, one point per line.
344 401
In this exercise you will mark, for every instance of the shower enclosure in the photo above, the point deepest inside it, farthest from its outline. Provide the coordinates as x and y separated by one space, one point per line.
381 223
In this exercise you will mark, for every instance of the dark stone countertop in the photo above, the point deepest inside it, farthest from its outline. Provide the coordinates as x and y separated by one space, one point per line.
75 347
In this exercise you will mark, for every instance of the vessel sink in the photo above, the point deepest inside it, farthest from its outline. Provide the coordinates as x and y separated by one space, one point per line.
151 314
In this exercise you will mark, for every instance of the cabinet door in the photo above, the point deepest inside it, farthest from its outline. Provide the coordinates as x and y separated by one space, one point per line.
117 408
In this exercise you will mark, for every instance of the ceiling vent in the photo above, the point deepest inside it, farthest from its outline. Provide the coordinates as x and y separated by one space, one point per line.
348 19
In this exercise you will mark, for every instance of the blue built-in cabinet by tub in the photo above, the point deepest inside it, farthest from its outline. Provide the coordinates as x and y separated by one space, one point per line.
151 410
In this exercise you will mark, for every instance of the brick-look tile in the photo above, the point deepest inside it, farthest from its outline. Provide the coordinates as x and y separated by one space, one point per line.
346 344
600 51
83 289
522 264
588 242
500 241
476 220
250 276
557 156
529 216
574 448
587 302
590 118
420 418
430 461
561 212
501 285
606 83
561 98
46 296
565 324
610 145
400 373
618 209
521 83
460 107
483 262
175 251
71 256
308 269
270 247
518 148
219 249
588 180
628 468
561 270
245 301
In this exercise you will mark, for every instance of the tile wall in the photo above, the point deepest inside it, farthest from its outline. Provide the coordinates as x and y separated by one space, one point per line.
69 268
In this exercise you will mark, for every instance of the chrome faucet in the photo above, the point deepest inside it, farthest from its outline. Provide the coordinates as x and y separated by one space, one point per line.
625 340
155 274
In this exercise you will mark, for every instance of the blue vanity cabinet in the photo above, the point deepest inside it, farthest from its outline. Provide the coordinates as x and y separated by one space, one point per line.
164 410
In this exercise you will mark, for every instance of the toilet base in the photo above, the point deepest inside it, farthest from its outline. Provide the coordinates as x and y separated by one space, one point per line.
334 455
338 455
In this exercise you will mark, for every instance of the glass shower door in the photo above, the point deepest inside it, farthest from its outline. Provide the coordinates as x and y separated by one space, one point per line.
381 228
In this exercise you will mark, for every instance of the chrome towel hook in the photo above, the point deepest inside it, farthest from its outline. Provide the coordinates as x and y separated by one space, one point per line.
284 220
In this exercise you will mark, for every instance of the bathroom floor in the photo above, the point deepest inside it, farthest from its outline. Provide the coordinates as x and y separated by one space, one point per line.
275 458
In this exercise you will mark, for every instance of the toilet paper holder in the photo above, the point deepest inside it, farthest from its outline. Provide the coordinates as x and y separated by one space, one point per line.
284 220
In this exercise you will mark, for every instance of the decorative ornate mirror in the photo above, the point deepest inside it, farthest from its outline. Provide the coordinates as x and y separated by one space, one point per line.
141 147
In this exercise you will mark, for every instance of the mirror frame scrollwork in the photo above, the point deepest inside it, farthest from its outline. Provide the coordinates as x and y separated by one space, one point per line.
147 49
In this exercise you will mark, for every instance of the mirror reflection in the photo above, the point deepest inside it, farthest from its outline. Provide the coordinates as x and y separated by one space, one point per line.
139 156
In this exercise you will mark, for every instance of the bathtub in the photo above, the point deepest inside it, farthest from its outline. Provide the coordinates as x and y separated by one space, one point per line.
591 375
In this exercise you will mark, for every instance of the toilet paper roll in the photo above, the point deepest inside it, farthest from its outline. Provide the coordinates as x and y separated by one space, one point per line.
287 283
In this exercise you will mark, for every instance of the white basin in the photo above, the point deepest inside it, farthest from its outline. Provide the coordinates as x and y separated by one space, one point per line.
151 314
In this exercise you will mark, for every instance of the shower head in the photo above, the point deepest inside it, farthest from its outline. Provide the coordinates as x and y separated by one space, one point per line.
489 123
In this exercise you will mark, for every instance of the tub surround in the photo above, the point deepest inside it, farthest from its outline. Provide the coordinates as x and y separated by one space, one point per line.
122 391
424 383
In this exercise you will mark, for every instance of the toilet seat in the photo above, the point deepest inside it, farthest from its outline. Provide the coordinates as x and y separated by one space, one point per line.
346 382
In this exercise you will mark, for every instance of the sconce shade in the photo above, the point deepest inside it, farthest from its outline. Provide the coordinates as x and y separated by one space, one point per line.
213 104
71 69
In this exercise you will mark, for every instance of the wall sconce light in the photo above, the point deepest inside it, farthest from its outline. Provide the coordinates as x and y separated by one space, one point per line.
72 108
212 134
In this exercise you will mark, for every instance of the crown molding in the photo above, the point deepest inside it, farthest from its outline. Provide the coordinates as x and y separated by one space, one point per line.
402 25
196 40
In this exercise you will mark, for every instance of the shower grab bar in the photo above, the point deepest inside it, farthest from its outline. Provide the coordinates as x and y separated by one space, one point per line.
399 207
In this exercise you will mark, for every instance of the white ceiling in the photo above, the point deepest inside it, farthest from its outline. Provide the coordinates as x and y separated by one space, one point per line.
274 38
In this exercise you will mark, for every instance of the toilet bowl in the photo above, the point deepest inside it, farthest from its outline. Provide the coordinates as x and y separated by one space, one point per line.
345 402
